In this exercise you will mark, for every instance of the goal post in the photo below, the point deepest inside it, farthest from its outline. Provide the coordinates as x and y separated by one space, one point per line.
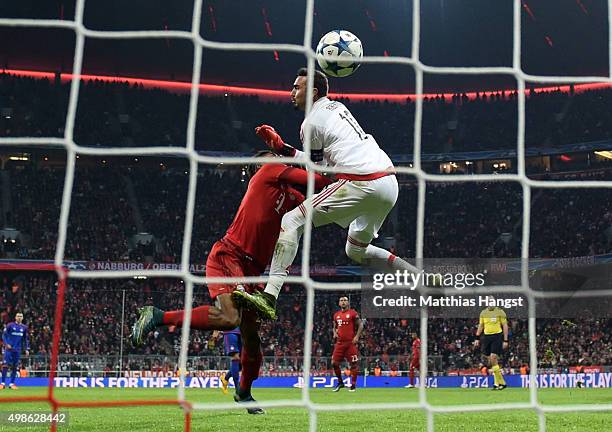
56 404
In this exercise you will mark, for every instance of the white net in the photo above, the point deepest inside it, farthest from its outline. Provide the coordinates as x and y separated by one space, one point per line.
73 149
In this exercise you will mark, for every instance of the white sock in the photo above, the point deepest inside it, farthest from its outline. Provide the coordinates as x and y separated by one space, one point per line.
284 254
382 259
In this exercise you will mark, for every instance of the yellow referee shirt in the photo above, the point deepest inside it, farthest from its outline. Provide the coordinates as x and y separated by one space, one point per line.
492 320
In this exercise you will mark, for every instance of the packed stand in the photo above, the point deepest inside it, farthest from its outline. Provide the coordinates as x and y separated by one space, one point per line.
461 220
100 220
94 328
119 114
110 204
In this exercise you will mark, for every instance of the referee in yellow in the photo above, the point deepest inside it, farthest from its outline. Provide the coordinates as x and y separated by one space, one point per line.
494 323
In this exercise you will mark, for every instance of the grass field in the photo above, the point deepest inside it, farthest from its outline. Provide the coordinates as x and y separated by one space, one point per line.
167 418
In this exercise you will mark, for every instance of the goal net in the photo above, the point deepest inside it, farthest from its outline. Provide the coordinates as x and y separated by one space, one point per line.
73 149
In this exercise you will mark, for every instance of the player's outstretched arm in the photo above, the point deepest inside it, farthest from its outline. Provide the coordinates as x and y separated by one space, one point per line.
275 143
298 176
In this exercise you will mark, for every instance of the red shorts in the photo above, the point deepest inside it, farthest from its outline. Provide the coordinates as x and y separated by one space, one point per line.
415 363
227 260
345 350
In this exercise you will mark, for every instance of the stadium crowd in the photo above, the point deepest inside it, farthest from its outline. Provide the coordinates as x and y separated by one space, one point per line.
462 220
119 114
112 203
92 327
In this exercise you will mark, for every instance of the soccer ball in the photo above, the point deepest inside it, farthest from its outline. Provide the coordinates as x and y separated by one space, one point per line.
343 44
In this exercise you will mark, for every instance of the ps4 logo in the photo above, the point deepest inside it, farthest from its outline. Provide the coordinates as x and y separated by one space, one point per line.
475 382
321 381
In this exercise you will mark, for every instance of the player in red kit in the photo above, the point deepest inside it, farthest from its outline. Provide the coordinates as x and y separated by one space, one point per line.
345 321
415 362
245 250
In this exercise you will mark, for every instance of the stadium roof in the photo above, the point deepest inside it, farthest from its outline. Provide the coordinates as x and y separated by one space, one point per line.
565 37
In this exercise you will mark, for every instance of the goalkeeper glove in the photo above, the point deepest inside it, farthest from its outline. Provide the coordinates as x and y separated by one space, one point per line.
274 141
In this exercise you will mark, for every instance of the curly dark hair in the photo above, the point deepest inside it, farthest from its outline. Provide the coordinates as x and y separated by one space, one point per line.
320 81
252 168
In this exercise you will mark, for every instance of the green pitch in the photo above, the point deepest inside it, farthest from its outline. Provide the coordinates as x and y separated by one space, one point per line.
165 419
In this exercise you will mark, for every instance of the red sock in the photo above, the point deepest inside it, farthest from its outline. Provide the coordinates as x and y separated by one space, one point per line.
354 372
338 373
199 318
250 362
411 373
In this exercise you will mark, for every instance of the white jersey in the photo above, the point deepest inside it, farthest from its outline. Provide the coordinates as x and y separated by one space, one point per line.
344 143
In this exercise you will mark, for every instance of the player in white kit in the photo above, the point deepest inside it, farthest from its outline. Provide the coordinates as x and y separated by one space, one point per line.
361 198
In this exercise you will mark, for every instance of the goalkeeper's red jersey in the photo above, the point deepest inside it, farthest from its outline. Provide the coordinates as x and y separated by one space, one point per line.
269 196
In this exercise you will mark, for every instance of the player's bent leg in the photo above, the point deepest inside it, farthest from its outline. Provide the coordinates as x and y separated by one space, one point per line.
292 227
14 371
251 355
492 365
242 398
411 373
202 318
338 373
352 355
365 224
355 250
225 381
337 357
498 378
149 318
263 304
4 373
358 248
354 373
493 359
251 358
234 371
226 317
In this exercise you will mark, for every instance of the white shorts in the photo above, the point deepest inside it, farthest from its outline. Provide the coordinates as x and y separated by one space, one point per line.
362 204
